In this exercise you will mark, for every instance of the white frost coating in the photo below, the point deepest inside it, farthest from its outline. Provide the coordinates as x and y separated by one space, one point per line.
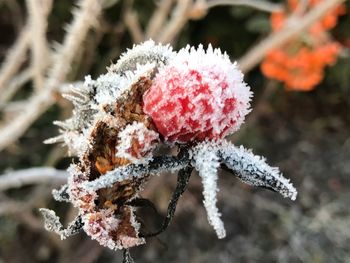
99 225
52 223
147 52
132 171
145 139
206 162
112 86
252 169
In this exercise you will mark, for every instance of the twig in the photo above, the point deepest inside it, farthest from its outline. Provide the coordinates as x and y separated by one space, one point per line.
258 52
257 4
84 18
176 23
38 12
14 58
157 20
132 23
39 175
12 87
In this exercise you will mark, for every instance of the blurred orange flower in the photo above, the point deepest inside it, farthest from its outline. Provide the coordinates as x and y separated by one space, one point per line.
300 63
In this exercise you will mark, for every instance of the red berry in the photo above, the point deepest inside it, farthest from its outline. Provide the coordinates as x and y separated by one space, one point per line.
199 95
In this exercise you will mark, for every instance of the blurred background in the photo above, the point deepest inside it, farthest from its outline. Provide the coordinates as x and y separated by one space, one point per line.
296 59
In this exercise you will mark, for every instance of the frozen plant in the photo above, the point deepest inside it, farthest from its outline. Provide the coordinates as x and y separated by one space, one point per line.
189 99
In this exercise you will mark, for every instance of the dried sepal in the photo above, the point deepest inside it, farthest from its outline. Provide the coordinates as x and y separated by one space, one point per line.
253 169
206 162
52 223
134 171
61 195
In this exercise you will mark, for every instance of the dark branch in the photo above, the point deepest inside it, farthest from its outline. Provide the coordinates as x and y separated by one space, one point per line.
182 182
127 257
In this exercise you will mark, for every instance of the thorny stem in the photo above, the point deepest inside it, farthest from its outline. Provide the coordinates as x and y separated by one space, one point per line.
127 257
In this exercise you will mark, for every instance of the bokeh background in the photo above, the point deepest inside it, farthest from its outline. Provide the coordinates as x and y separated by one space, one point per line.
305 134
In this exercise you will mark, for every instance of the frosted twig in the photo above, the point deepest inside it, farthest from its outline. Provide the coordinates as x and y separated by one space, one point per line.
258 52
159 16
178 20
256 4
38 12
84 18
39 175
12 87
132 23
14 59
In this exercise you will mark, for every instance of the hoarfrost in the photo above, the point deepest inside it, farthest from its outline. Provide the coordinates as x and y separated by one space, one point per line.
199 94
52 223
206 162
145 139
146 52
112 86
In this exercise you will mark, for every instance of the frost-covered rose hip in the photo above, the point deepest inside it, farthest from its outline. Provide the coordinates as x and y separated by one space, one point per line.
199 95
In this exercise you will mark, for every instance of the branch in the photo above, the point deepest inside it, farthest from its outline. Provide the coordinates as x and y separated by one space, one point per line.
176 23
257 4
14 59
84 18
38 12
294 27
132 23
12 87
157 20
39 175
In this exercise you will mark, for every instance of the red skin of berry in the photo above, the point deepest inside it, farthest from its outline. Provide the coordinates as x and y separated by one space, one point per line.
187 106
